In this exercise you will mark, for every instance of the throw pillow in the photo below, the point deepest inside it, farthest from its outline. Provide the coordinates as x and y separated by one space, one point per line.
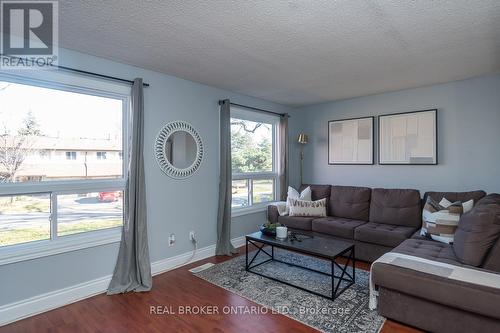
478 232
308 208
440 220
294 194
304 195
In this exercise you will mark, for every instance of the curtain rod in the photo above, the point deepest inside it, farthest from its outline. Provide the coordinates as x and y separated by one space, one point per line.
257 109
86 72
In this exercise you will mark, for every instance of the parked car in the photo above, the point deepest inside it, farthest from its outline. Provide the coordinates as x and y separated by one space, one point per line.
109 196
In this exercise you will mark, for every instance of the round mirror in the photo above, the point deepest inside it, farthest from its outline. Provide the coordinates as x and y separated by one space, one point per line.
178 149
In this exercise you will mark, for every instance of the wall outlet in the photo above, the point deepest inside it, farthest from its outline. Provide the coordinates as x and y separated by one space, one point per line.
192 236
171 240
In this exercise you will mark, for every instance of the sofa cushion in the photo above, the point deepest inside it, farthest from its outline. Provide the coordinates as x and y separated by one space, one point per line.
336 226
383 234
396 206
478 231
455 196
350 202
428 249
296 222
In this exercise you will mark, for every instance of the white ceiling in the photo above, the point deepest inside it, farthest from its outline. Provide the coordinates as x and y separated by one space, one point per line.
294 52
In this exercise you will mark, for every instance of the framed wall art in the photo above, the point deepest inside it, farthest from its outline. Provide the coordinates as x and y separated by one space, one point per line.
408 138
350 141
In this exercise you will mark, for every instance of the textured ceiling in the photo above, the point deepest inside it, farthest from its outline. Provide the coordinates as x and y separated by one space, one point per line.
295 52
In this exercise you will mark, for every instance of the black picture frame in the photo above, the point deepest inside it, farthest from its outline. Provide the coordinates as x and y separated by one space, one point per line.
372 138
436 131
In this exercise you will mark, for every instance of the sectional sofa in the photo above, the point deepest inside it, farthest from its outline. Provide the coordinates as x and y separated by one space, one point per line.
383 221
377 220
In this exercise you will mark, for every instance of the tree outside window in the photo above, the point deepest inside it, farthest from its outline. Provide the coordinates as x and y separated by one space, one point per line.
252 162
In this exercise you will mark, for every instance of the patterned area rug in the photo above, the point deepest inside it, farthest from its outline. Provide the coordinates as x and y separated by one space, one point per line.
348 313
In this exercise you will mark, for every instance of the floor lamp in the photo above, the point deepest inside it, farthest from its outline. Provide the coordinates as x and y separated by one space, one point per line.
302 140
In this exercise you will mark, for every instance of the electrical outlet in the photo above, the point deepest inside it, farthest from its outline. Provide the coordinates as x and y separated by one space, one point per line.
192 236
171 240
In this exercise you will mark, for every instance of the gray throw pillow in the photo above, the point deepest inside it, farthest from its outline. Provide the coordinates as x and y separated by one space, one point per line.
478 231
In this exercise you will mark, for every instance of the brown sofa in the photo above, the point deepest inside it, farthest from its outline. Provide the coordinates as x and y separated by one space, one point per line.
383 220
376 219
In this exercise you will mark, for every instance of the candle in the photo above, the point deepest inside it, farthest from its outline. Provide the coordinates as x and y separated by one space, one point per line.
281 232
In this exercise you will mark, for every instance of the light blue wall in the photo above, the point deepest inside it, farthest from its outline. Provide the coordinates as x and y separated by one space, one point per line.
173 206
468 138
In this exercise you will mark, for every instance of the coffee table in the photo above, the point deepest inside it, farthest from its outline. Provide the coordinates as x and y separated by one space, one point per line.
316 246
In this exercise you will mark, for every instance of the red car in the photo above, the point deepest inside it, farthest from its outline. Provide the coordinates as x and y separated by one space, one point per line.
109 196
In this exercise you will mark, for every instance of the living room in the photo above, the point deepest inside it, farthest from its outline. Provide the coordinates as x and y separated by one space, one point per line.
233 166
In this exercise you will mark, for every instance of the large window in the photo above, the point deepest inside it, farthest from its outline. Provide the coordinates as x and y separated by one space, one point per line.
253 159
56 178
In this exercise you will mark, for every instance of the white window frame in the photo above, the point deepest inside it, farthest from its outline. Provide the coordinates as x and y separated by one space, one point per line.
245 114
66 81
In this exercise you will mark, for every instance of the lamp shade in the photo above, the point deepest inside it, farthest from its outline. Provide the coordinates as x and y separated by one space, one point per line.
302 138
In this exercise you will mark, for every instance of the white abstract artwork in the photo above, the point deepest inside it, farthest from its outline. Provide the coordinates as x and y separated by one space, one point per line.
408 138
350 141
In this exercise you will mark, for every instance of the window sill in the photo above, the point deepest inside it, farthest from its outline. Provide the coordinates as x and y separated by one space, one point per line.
27 251
250 210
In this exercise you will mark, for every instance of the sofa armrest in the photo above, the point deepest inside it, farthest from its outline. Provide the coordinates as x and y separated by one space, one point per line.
272 213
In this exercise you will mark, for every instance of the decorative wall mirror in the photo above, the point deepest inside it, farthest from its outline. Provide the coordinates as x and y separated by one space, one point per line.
178 149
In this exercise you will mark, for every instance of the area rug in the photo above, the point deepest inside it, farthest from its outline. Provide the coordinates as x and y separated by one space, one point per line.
348 313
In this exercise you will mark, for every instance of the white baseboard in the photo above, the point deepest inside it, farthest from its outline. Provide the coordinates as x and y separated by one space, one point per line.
165 265
51 300
54 299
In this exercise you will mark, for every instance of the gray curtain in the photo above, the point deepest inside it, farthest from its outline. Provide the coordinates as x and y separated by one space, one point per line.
133 267
224 246
283 146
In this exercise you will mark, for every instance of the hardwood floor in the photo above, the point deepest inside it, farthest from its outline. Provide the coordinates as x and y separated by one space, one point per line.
131 312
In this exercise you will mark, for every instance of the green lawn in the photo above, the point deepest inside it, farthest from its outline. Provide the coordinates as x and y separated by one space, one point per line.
17 236
262 190
24 204
74 228
23 235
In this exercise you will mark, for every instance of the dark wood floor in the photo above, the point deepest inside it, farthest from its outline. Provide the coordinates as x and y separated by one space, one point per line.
131 312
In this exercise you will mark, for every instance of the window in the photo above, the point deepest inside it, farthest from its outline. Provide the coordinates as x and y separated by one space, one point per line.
101 155
253 160
46 202
71 155
25 218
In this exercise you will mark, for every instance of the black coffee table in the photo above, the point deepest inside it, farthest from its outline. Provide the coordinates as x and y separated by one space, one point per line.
320 247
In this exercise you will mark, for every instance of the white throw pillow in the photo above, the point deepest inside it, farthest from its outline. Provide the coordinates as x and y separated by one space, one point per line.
294 194
308 208
304 195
